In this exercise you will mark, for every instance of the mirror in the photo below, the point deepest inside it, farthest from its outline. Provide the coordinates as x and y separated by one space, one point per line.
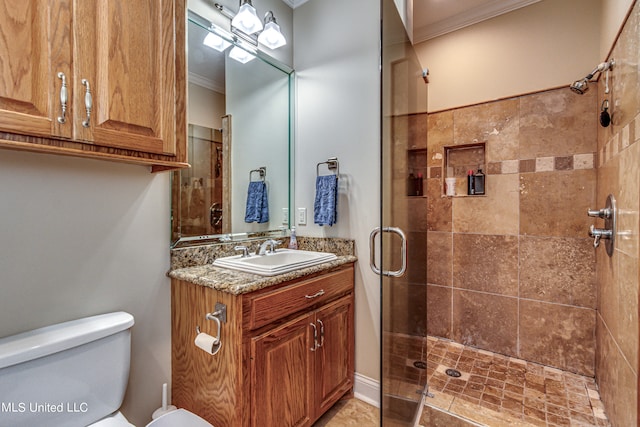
239 132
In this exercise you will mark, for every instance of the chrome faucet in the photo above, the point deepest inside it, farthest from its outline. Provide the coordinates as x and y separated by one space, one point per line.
267 243
244 249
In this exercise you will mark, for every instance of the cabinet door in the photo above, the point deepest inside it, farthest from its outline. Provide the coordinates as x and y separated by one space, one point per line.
34 46
281 369
334 357
125 56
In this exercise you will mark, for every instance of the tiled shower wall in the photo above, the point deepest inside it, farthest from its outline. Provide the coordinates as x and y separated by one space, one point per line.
619 174
514 271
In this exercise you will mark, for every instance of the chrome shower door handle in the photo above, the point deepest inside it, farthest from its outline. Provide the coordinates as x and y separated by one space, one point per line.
403 253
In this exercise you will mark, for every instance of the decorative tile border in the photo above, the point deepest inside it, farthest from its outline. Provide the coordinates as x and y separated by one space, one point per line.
539 164
628 135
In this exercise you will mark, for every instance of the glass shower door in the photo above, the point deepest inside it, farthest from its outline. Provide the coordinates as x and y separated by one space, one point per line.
403 240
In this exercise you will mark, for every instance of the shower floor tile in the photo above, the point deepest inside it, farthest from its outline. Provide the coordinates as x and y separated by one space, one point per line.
495 390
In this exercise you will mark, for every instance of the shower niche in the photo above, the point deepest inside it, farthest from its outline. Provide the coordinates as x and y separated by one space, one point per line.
460 162
417 166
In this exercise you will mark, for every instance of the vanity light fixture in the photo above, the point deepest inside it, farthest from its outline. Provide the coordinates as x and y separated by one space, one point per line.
216 42
247 19
271 36
247 25
241 55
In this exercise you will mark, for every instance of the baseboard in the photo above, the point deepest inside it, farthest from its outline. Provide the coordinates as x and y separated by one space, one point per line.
367 390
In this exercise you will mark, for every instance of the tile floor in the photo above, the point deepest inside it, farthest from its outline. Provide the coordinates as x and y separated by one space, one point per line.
350 412
495 390
492 391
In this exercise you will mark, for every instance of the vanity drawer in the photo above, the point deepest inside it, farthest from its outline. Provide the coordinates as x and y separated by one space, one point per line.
268 307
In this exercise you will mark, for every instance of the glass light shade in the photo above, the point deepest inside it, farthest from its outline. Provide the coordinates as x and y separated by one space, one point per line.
271 36
247 20
216 42
240 55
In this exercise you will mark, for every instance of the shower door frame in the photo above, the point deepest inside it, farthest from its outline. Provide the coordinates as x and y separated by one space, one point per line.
403 293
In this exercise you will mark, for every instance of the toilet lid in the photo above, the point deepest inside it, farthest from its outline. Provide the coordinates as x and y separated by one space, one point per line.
179 418
114 420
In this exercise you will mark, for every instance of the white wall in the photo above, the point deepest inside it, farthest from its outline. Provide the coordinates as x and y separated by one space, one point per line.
612 17
338 114
405 9
206 107
82 237
546 45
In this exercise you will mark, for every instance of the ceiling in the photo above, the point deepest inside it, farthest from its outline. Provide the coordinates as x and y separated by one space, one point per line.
433 18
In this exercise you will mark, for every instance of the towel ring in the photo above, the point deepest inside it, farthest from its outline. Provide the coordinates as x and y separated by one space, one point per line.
332 164
261 170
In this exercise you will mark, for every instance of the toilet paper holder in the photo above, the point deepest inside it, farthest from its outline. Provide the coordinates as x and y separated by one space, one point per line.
218 316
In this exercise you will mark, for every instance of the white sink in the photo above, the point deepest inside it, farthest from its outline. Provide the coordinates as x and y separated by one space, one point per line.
271 264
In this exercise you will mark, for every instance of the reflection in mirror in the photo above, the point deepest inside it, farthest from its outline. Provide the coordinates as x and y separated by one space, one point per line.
239 122
201 186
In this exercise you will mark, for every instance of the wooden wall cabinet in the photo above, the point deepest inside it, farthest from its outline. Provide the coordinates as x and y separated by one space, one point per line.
287 355
95 79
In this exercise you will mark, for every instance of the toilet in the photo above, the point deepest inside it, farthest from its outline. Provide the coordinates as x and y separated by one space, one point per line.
73 374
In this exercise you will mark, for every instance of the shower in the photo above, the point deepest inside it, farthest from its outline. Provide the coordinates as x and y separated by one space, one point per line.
582 85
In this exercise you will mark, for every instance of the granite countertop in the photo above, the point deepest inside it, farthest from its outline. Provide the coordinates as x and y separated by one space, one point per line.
194 264
238 282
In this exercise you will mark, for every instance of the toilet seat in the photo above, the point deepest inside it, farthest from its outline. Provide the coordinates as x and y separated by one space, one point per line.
179 418
114 420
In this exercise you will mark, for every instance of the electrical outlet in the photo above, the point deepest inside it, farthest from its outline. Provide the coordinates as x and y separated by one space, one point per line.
285 216
302 216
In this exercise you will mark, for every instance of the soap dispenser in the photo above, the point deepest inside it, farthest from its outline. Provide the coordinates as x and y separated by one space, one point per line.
293 241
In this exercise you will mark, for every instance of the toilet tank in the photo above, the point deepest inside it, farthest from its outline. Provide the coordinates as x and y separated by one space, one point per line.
69 374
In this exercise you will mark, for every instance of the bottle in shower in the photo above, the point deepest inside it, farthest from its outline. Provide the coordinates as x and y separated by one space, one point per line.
470 183
419 184
478 182
411 184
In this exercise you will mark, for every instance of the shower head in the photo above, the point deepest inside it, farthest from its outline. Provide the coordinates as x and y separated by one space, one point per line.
581 86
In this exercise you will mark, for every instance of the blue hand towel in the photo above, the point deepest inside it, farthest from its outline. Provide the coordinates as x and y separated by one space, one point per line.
325 206
257 209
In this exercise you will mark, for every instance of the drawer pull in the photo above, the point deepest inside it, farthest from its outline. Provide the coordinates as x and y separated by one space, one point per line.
316 295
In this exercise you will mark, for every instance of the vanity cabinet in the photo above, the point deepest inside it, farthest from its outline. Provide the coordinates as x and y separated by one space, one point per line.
287 351
300 369
95 79
35 45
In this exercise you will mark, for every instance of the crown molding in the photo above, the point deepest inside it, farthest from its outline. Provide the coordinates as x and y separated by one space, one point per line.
467 18
295 3
204 82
